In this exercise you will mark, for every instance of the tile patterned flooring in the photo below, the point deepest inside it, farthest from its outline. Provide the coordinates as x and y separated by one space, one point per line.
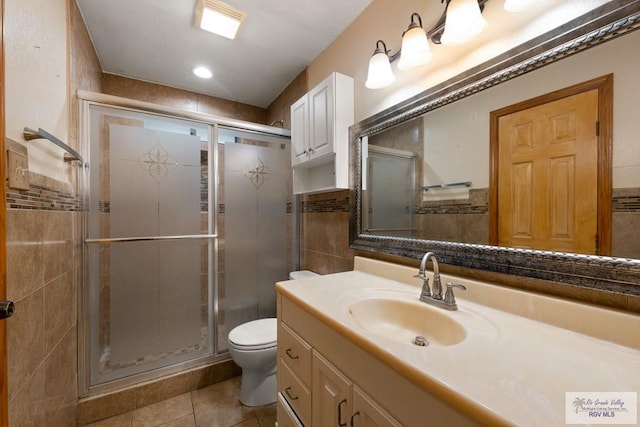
213 406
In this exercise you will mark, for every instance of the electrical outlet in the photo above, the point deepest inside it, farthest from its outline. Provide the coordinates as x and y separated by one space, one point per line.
18 170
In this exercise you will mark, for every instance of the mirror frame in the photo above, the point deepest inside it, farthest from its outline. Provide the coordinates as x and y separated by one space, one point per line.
618 275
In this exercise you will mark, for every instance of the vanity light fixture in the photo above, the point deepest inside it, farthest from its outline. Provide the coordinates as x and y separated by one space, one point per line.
218 17
464 21
380 74
415 52
202 72
415 46
461 21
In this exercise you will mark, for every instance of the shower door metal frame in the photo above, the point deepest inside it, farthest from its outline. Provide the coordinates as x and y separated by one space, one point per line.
86 100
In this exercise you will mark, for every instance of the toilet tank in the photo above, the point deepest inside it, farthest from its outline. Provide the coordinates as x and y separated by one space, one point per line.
303 274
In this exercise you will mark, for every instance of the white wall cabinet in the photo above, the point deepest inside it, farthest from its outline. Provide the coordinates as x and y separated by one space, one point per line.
320 123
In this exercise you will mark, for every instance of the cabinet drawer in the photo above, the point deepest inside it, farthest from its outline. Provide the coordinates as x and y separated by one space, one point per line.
286 416
295 392
296 352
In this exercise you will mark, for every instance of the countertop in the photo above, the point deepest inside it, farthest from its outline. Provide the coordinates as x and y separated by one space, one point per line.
510 368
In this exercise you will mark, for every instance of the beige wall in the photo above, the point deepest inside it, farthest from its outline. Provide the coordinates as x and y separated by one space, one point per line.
280 108
36 73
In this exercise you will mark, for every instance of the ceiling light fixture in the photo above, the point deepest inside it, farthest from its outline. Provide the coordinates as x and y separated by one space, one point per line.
202 72
461 21
218 17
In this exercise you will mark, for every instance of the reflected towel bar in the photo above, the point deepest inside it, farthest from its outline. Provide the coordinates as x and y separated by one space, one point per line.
375 230
450 184
30 134
150 238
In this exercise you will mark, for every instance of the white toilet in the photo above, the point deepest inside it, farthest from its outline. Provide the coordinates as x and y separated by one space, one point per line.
252 346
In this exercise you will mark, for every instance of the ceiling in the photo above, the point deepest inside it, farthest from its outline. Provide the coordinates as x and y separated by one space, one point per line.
155 41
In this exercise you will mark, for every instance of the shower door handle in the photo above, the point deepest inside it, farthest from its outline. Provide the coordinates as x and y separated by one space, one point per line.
6 309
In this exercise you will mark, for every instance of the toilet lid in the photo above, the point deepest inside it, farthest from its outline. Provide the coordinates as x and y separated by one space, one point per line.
255 334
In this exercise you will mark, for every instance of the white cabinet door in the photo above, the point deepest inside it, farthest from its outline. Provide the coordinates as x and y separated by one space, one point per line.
331 406
321 114
300 131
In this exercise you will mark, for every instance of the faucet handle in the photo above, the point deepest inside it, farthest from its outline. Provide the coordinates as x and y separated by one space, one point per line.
425 292
449 298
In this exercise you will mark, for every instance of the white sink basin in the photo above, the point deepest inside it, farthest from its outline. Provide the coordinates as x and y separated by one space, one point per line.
403 320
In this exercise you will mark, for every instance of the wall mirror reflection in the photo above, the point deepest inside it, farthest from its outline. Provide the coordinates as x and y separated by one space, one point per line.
502 155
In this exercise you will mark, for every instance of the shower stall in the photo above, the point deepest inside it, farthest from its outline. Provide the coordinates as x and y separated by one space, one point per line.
188 221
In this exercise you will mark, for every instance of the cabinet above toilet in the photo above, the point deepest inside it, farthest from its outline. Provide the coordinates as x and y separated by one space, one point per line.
320 123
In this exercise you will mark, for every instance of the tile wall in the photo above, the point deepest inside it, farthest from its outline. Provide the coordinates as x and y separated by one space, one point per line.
42 272
625 227
325 233
178 98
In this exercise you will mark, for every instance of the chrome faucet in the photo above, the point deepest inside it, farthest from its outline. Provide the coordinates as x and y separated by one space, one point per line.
434 296
437 285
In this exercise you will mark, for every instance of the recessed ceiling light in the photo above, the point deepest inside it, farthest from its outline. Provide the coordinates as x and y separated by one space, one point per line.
218 18
203 72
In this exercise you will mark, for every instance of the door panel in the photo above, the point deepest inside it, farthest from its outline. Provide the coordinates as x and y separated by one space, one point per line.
547 179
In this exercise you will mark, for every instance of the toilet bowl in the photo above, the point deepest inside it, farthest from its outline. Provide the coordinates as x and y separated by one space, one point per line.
252 346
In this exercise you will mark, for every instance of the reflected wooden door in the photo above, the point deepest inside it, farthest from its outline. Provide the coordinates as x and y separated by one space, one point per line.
547 183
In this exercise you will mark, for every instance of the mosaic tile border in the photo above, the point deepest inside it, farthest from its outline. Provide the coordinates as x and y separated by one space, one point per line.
476 204
626 199
222 208
337 203
40 197
451 209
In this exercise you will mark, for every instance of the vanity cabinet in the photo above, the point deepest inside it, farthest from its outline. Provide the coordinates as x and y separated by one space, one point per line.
320 123
312 391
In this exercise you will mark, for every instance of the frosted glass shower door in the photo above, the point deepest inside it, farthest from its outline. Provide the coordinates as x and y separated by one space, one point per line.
256 239
390 193
155 286
148 244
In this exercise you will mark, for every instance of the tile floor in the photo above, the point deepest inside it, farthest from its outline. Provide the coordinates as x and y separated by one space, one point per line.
213 406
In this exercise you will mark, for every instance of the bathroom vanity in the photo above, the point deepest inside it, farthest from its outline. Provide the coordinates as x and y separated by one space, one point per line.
346 352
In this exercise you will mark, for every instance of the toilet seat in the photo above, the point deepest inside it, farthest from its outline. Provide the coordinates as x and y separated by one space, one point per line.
254 335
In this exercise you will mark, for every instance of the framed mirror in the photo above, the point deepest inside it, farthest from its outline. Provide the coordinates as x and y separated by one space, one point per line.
445 133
